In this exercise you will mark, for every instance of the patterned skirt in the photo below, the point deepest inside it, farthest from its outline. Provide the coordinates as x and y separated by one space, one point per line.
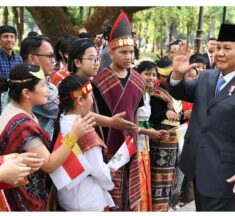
163 155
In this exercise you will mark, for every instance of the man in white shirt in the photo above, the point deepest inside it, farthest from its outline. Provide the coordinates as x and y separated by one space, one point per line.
208 155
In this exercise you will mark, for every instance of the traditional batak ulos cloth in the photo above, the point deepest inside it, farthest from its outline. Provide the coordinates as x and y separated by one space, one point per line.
17 130
91 194
163 153
144 158
4 206
114 97
57 77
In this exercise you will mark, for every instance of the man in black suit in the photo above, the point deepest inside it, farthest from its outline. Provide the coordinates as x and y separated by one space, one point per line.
210 53
208 155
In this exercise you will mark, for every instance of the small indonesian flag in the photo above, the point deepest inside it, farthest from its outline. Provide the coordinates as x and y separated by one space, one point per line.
180 133
123 155
74 169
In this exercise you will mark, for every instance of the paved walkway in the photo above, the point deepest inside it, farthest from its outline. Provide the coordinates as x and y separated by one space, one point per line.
189 207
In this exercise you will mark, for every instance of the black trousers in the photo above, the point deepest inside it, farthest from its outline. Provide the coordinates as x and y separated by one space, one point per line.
204 203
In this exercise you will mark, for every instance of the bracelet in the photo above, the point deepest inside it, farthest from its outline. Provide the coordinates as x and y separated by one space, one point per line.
138 131
69 140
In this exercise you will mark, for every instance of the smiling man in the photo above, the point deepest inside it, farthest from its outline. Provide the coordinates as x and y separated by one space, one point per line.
8 58
208 156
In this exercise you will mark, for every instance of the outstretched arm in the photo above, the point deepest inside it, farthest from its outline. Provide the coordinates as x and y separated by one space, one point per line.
116 121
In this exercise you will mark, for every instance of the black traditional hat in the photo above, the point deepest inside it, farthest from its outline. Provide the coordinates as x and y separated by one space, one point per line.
121 34
164 67
227 32
76 49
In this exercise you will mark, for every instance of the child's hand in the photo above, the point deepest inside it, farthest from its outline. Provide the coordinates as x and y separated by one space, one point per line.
154 134
83 125
172 116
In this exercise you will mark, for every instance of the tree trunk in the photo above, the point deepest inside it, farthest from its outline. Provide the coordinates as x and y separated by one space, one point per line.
139 34
171 29
89 11
146 37
19 22
154 36
104 16
21 25
15 20
52 21
5 16
81 12
199 33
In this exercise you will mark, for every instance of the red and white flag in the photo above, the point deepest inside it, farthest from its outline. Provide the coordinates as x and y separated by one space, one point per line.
123 155
74 169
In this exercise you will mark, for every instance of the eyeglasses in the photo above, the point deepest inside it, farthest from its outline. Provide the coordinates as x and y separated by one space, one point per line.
50 56
93 60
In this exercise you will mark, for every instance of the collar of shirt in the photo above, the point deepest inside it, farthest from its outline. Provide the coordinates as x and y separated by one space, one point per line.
227 78
209 54
3 53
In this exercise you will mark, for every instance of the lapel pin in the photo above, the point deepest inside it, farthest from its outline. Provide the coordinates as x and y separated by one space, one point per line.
231 90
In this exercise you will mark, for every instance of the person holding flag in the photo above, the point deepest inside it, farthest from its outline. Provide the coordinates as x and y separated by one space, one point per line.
20 132
90 193
119 88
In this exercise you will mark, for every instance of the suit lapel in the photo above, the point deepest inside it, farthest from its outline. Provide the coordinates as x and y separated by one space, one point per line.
224 93
212 84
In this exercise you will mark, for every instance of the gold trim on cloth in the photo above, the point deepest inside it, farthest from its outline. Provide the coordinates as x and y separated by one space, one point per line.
20 81
124 41
82 91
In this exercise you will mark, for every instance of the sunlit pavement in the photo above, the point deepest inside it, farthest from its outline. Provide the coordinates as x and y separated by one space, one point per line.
189 207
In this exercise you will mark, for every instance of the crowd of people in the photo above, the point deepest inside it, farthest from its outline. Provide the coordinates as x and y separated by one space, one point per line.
67 112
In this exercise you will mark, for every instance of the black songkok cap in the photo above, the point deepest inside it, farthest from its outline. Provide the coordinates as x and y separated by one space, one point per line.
227 32
76 49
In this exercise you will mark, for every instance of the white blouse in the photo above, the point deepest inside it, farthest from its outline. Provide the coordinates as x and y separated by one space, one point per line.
144 115
91 194
145 111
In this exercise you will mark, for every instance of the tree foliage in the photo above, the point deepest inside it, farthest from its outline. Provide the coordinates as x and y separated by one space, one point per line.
155 26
